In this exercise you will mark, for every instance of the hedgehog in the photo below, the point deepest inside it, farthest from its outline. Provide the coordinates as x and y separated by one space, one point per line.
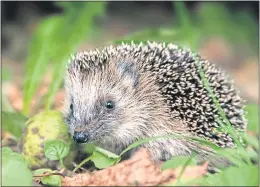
119 94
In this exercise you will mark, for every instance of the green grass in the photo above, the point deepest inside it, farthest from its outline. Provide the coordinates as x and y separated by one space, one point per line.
53 42
252 116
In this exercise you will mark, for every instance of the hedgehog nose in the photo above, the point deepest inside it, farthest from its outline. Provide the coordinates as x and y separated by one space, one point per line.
80 137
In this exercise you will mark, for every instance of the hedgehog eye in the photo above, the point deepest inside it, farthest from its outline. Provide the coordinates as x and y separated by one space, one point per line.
109 105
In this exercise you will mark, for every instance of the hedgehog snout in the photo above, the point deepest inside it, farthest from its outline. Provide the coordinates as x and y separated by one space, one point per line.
81 134
80 137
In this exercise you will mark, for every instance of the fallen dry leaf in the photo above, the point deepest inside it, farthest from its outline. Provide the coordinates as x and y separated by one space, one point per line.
139 170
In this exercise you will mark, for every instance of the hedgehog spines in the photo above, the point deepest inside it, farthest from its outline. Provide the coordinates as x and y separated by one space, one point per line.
178 78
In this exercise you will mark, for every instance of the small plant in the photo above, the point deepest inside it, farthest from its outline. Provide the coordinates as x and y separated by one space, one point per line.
56 150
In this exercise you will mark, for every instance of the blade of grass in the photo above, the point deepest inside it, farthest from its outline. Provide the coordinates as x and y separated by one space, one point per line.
176 136
251 141
37 61
186 28
205 82
82 18
56 82
217 150
183 168
182 15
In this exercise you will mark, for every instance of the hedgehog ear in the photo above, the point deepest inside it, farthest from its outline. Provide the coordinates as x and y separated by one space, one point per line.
128 72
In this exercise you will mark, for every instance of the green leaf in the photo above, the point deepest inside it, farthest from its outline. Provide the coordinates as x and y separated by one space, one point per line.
13 123
6 150
89 148
235 176
52 180
103 158
55 149
178 161
106 153
252 116
15 171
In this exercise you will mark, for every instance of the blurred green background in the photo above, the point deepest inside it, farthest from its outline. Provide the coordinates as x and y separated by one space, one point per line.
38 37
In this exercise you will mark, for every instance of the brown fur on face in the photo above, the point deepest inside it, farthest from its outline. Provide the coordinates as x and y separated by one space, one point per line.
139 109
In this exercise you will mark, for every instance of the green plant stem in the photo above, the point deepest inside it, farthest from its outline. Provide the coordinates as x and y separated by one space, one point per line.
82 163
61 163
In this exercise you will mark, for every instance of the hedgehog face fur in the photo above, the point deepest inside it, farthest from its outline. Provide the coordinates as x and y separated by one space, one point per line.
130 92
113 104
